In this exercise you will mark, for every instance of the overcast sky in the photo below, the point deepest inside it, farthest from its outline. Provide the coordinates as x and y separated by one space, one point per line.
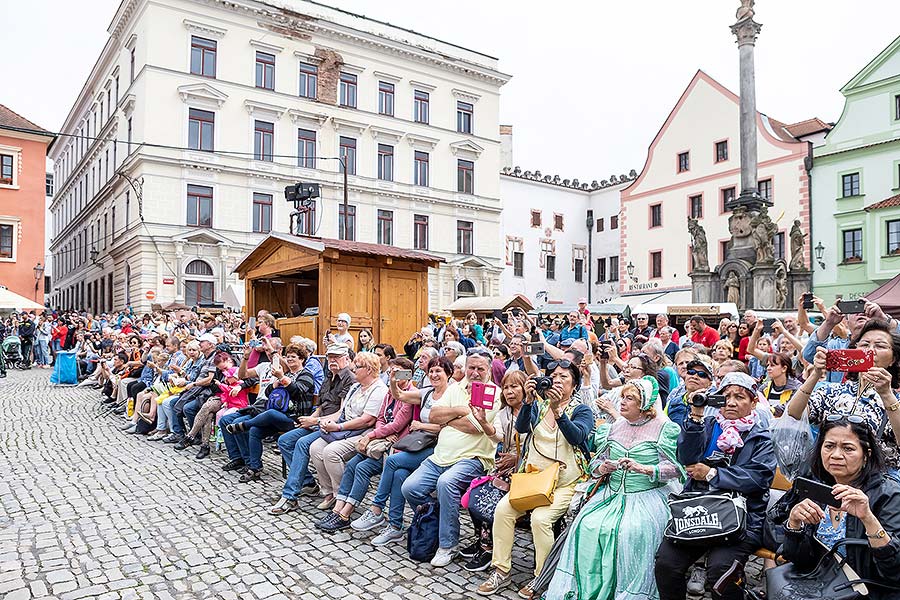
592 82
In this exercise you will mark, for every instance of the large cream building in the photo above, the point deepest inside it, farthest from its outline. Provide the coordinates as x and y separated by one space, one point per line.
198 113
693 169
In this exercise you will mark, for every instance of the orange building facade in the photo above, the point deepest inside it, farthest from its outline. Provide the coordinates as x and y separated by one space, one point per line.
23 152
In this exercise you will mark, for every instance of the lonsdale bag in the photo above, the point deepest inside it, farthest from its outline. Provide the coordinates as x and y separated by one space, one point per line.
706 518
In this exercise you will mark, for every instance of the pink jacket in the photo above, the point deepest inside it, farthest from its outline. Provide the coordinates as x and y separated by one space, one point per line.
231 379
399 424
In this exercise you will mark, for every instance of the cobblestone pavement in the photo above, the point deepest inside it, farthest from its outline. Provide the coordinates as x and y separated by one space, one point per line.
89 512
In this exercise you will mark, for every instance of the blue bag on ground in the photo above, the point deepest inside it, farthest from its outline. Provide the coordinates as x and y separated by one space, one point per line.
65 369
422 536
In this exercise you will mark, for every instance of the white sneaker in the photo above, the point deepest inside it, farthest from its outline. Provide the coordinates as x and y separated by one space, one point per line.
388 535
496 582
368 521
696 585
444 556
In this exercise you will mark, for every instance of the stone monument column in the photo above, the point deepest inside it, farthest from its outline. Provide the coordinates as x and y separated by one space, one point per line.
746 30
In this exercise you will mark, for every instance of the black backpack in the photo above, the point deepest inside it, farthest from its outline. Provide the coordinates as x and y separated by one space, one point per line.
422 536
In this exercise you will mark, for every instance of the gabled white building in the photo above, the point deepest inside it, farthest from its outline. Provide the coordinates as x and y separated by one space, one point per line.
209 109
561 236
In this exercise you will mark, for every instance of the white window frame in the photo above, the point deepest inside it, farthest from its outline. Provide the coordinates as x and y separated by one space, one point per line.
16 153
15 222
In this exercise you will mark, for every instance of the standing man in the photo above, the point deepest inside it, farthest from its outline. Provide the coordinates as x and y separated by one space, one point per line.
27 329
574 330
703 334
642 326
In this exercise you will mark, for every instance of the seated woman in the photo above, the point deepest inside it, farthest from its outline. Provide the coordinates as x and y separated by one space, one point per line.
182 375
610 546
391 425
233 393
398 466
849 459
483 499
559 431
337 443
869 394
731 452
288 374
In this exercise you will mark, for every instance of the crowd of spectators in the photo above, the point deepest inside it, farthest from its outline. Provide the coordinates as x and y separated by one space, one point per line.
627 416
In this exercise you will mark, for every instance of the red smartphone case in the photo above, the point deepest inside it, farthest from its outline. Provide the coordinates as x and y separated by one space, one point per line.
483 395
851 360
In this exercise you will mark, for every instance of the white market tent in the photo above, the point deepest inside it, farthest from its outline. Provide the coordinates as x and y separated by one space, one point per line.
10 301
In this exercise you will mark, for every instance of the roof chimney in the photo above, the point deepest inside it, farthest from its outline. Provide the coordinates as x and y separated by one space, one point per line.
506 149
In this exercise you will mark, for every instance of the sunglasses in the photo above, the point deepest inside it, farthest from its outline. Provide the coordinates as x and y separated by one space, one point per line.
700 374
478 352
835 417
565 364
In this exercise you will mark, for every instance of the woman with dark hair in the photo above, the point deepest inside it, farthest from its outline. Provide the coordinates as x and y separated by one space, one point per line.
780 384
869 394
398 466
734 335
558 431
498 365
849 459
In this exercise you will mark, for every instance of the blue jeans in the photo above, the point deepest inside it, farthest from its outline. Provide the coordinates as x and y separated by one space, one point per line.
42 352
191 409
397 468
294 446
262 426
358 473
451 483
236 444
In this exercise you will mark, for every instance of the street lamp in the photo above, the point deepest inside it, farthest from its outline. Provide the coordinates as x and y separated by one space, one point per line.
630 270
94 254
38 276
820 253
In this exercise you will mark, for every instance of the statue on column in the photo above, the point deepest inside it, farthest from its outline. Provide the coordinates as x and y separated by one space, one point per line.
699 248
798 238
733 288
745 12
762 234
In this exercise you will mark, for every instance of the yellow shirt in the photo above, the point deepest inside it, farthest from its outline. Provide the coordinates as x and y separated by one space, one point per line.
453 445
549 443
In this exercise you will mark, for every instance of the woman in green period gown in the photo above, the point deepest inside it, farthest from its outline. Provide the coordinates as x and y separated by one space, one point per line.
608 553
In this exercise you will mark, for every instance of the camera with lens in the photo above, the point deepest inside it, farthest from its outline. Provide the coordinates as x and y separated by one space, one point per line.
542 384
712 400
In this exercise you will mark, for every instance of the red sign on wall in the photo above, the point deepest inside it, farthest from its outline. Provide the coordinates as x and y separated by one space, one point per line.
168 281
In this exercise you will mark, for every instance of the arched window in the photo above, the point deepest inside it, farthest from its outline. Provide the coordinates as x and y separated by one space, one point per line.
201 288
465 289
198 267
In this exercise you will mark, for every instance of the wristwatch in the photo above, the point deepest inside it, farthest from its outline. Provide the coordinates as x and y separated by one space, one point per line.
711 474
878 535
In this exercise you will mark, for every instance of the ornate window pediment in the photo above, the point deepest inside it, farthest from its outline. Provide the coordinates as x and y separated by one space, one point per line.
466 149
203 94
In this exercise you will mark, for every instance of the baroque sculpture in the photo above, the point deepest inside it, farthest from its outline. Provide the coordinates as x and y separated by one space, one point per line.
745 11
780 285
762 234
798 238
733 288
699 248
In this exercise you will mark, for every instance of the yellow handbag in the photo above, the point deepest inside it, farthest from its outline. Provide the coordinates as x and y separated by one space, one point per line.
533 488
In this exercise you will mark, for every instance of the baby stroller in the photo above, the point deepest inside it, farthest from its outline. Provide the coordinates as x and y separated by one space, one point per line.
12 352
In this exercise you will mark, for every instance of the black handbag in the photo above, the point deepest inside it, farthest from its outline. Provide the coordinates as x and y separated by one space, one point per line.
831 579
416 441
706 518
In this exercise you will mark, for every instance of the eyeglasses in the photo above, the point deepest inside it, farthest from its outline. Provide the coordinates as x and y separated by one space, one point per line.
565 364
700 374
634 367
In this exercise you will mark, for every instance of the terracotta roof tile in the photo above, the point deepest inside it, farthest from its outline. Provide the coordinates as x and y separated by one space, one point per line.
886 203
11 119
808 127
